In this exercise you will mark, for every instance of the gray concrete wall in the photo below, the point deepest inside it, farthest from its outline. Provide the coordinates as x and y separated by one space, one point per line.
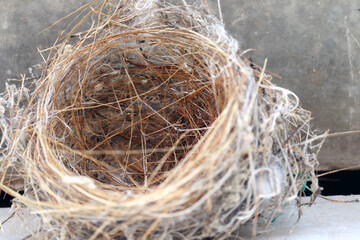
313 45
21 22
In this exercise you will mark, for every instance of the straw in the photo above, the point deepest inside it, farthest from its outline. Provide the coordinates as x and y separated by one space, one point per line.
153 126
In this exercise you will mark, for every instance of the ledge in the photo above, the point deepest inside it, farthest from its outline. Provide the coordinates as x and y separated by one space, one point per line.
323 220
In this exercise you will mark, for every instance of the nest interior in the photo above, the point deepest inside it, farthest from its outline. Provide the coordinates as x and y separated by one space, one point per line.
136 110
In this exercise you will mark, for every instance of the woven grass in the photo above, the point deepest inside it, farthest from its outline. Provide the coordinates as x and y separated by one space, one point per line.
154 126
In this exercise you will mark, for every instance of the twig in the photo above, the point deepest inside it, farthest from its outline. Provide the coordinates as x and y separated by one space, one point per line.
338 134
338 170
340 201
12 215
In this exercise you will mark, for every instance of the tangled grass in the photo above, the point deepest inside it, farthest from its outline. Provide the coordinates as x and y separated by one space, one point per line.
154 126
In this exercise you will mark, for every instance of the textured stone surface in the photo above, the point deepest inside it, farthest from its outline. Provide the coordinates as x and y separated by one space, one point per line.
313 45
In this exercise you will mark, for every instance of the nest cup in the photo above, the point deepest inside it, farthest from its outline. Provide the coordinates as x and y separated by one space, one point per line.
152 125
134 115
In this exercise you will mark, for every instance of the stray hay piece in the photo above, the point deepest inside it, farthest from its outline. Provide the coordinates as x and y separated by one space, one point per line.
153 126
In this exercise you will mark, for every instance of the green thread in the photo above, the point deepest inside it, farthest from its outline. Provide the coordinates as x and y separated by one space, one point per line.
276 217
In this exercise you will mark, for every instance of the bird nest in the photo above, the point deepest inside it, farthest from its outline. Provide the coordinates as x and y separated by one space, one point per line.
153 125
